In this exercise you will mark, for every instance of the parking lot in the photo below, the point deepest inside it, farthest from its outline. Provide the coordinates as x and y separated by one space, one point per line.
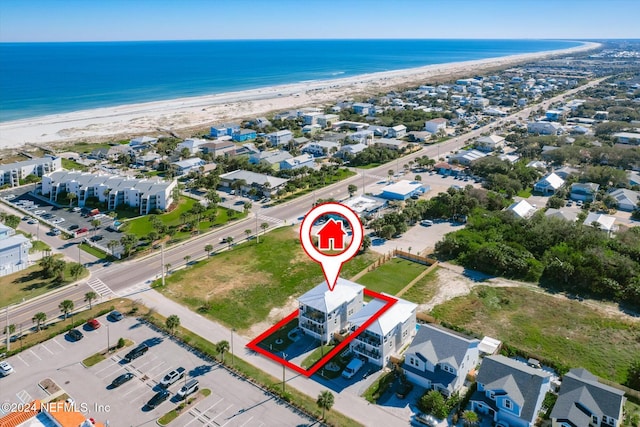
233 401
69 220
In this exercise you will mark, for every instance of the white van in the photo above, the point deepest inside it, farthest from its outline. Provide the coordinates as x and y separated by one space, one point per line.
189 388
352 368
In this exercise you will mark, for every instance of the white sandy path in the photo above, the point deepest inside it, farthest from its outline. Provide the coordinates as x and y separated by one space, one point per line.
189 113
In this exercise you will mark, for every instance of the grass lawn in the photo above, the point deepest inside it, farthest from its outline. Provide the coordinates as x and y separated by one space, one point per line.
632 411
93 251
424 289
564 331
369 166
271 342
316 355
71 164
392 276
85 147
29 283
38 246
240 287
524 193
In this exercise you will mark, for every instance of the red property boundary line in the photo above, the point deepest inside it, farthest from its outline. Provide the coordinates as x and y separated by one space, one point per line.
253 345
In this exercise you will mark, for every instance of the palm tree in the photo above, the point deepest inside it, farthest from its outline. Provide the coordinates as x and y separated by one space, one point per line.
208 249
325 401
57 269
65 307
76 269
247 232
95 223
172 323
264 227
167 266
229 241
222 347
470 418
11 329
39 318
247 206
352 189
187 258
112 245
89 297
71 197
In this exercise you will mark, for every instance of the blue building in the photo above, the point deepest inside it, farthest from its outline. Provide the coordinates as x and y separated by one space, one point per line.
243 135
226 129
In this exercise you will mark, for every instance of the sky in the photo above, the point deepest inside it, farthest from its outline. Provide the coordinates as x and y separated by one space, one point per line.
118 20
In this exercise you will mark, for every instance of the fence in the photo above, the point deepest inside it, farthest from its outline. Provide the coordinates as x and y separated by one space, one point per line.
414 257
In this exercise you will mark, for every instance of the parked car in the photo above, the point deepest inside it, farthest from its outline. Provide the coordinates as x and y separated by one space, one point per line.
426 223
97 238
76 335
82 230
352 368
58 220
189 388
172 377
6 369
74 227
159 397
136 352
32 221
121 379
39 212
428 420
115 316
94 323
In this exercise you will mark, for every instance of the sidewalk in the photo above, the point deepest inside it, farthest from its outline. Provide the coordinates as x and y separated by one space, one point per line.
346 402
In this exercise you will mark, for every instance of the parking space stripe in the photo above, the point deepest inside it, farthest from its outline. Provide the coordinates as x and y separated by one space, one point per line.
201 413
61 346
247 422
24 397
222 412
22 360
32 352
105 368
43 346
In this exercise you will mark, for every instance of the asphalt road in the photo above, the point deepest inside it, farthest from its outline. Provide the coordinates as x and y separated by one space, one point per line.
130 276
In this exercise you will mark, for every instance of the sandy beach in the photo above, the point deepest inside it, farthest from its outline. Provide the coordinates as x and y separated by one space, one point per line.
184 114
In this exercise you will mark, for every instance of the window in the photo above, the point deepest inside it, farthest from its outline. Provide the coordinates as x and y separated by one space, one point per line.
507 404
594 419
492 395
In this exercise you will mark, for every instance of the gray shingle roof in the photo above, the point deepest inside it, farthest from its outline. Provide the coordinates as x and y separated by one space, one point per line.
438 346
522 383
581 395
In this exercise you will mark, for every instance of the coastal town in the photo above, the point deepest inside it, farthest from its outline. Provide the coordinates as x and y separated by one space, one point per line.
501 212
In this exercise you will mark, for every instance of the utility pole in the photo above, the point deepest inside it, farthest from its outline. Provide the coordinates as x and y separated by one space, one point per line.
233 357
7 330
79 252
162 262
284 356
108 341
257 234
363 182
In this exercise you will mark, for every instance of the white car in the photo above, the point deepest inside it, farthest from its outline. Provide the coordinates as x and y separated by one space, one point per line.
39 212
57 221
5 369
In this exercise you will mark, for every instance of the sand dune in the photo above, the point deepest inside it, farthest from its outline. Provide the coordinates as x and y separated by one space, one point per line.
187 113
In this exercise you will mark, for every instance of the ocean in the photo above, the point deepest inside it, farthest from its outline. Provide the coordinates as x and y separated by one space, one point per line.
39 79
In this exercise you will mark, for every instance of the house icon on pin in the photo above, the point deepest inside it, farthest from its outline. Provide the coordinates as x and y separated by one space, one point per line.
331 236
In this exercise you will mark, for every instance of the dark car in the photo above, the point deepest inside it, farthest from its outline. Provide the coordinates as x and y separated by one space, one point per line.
159 397
74 227
75 335
121 379
115 316
136 352
97 238
93 324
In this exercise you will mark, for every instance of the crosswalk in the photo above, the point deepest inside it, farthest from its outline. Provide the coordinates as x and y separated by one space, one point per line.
24 397
100 287
269 219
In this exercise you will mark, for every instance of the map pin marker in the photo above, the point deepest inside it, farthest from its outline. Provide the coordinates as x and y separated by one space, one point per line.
332 236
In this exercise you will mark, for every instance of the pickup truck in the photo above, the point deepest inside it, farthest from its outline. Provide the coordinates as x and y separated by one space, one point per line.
352 368
172 377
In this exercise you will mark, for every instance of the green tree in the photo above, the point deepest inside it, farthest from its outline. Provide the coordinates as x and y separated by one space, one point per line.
187 258
433 403
264 227
11 329
89 297
352 189
12 221
633 375
65 307
39 319
172 323
128 242
95 223
76 269
58 268
71 197
387 231
555 202
208 249
325 401
222 347
229 241
366 243
247 232
470 418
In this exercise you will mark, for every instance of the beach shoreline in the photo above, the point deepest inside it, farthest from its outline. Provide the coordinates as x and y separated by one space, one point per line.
183 114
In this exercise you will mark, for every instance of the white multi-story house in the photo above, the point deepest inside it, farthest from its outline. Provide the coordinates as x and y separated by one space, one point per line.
321 148
509 391
544 128
549 184
439 359
14 251
398 131
323 312
489 143
434 125
12 173
388 334
145 194
280 137
584 401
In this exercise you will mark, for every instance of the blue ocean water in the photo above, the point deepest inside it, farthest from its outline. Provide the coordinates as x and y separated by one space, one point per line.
48 78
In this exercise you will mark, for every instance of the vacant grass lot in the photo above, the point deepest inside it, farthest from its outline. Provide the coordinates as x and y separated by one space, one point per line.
424 289
142 226
29 283
392 276
567 332
240 287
